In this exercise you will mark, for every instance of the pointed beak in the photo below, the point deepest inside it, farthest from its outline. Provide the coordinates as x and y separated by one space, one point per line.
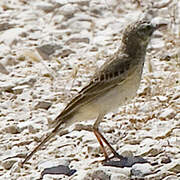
159 23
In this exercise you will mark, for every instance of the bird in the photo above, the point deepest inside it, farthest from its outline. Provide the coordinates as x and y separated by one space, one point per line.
113 85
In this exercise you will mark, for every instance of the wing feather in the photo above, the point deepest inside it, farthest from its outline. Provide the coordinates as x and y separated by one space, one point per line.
101 82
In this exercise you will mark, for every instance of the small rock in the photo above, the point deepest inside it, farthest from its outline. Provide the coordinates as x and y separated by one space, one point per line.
175 168
141 170
29 81
167 113
3 70
68 10
83 3
161 4
60 169
94 149
77 40
97 174
32 129
55 162
56 167
165 57
46 7
12 129
6 86
61 2
127 153
19 89
7 164
157 43
46 50
165 160
93 49
21 57
10 36
125 172
66 53
119 176
176 96
5 26
144 90
171 177
162 98
15 168
43 105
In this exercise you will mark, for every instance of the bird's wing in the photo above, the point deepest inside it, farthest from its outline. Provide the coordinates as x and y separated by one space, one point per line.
101 82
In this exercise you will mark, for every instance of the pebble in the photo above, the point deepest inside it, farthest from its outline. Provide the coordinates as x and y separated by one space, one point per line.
94 149
165 160
43 105
175 168
46 7
77 40
167 113
119 177
48 49
19 89
54 162
171 177
12 129
161 4
7 164
96 174
33 129
126 171
67 10
141 170
11 36
65 53
3 70
162 98
5 26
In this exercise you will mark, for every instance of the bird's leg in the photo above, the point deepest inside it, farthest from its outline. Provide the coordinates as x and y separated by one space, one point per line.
110 147
95 130
101 144
101 138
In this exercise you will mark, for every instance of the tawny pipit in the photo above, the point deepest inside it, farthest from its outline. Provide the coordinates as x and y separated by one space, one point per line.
112 86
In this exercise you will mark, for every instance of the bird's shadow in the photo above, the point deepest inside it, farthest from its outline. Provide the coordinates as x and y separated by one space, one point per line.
123 161
115 161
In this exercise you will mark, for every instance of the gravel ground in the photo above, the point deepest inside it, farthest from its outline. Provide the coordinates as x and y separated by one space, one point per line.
48 52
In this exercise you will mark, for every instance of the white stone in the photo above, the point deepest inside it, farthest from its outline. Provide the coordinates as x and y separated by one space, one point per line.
10 36
67 10
167 113
140 170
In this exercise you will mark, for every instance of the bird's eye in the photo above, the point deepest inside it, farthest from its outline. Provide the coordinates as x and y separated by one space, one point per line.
148 26
145 30
145 27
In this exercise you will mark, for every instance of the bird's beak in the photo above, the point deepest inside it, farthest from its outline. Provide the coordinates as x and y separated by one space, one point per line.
159 23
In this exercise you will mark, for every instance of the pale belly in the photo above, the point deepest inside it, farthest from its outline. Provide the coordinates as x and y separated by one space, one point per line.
110 101
119 95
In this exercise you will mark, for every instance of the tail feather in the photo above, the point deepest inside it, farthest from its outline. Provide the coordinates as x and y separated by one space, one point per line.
47 138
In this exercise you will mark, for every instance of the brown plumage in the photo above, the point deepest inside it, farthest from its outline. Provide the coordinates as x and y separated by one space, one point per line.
113 85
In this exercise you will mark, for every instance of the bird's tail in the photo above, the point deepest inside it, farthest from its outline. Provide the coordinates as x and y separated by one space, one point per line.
47 138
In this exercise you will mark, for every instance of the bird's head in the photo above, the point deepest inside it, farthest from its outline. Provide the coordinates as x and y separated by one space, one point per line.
138 34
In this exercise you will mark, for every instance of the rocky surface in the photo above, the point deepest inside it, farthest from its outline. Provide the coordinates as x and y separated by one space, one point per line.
48 52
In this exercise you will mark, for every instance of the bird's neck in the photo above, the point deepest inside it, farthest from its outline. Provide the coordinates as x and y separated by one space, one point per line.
134 48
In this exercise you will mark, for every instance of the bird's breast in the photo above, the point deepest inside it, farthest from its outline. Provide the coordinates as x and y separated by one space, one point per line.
111 100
